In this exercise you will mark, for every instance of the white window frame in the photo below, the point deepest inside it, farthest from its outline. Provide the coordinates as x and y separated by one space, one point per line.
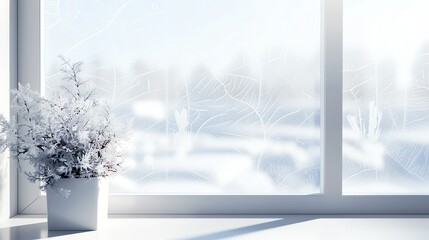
329 201
8 80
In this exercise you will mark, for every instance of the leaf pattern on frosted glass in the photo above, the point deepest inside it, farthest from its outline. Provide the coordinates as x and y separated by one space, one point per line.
224 94
393 76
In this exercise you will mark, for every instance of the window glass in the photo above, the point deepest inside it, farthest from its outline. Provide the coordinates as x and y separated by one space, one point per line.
224 93
386 97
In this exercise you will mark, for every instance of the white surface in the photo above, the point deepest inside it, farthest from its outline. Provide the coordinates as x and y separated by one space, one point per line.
209 228
8 79
84 209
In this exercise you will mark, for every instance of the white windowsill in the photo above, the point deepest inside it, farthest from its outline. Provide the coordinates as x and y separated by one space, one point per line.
230 227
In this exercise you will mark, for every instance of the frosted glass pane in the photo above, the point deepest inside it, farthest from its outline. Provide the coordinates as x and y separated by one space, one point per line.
386 97
224 94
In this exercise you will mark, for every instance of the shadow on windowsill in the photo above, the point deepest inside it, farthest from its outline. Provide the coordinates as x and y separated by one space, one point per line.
32 231
253 228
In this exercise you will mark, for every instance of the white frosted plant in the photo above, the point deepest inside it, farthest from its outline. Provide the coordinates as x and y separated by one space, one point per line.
71 135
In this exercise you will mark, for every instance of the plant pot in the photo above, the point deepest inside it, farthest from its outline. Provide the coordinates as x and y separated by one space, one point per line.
84 209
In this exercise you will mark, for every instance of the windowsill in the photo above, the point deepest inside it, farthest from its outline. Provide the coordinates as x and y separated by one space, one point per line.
232 227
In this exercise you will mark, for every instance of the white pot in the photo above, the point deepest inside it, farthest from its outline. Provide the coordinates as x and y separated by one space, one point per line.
84 209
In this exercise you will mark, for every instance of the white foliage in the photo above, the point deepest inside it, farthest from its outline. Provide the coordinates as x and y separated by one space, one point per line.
371 130
72 135
371 150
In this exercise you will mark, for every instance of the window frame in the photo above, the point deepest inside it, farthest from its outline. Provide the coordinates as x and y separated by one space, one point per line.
329 201
8 76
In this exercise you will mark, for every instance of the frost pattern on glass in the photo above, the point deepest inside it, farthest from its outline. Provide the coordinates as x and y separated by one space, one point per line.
386 97
224 94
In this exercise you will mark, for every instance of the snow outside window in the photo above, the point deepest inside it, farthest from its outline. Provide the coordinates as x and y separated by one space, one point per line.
386 97
225 95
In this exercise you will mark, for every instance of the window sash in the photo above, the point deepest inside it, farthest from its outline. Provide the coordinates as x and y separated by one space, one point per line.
330 201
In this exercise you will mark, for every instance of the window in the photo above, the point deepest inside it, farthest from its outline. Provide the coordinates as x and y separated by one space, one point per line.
194 78
386 97
224 94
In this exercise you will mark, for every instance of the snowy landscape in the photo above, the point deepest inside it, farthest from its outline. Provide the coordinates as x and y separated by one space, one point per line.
225 95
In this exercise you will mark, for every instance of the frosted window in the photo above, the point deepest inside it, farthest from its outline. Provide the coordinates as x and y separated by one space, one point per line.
386 97
224 94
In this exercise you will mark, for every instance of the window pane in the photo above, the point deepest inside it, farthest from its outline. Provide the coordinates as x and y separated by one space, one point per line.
224 94
386 97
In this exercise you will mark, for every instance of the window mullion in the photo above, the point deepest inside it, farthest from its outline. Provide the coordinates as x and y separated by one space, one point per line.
331 120
29 72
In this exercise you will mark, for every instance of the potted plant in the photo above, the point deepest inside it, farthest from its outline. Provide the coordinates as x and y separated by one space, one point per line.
72 142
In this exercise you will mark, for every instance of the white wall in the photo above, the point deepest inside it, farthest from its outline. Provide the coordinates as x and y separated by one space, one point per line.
8 79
